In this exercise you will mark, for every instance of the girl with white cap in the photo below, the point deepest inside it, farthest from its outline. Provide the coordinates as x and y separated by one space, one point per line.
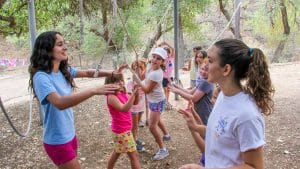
152 86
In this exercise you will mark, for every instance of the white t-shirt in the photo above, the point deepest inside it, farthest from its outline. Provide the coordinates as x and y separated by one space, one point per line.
157 94
235 125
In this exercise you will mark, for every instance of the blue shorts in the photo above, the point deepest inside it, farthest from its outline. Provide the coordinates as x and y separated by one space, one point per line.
165 81
157 107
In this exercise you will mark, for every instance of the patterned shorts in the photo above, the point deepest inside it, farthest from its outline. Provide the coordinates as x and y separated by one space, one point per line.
157 107
124 142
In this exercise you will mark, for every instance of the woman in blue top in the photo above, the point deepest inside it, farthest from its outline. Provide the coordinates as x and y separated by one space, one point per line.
51 78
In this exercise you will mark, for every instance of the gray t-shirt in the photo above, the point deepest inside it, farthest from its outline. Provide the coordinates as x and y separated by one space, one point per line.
157 94
204 105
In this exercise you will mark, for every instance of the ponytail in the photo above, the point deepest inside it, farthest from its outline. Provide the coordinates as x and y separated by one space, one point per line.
250 65
258 81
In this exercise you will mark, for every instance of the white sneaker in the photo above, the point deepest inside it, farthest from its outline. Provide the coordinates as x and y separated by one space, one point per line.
167 137
161 154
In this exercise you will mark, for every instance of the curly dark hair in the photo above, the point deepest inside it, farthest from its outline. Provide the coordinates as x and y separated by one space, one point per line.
42 57
250 64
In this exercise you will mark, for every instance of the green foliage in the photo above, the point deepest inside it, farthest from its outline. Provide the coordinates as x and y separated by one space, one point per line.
261 23
46 13
93 46
19 42
69 28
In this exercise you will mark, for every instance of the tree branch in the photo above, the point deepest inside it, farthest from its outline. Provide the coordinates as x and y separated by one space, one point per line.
226 14
94 30
2 3
9 19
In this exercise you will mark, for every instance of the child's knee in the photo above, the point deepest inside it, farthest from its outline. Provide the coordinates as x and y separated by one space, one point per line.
152 126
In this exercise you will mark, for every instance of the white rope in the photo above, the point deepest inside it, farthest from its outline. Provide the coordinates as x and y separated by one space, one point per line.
233 15
29 121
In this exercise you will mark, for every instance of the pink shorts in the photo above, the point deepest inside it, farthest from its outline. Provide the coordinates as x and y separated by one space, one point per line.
62 153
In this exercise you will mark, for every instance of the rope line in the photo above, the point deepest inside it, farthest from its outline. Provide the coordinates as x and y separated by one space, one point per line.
233 15
127 34
11 123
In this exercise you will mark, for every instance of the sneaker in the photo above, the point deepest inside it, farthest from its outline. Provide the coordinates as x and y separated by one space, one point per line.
161 154
140 142
167 137
140 148
141 123
168 106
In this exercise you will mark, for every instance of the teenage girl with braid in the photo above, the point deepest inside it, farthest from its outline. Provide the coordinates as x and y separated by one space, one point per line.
235 133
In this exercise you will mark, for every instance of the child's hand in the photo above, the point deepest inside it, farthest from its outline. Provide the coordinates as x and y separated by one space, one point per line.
189 118
136 89
192 106
173 88
122 67
176 86
106 89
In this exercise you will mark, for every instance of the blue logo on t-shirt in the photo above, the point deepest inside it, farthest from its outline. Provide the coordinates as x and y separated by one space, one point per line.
220 128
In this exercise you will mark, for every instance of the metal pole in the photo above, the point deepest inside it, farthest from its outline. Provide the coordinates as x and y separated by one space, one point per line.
176 36
32 29
81 30
32 24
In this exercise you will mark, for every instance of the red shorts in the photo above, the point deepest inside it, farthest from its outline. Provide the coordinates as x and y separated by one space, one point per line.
62 153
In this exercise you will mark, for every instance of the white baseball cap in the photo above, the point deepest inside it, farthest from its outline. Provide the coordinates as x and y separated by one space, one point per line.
161 52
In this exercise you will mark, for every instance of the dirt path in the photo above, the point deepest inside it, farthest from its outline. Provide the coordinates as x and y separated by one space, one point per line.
92 123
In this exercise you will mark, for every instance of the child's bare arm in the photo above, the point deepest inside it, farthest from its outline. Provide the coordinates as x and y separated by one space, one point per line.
116 104
147 88
188 116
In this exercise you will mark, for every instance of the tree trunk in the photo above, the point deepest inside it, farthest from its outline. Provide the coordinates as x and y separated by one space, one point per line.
226 14
81 30
104 11
278 51
286 32
284 18
152 41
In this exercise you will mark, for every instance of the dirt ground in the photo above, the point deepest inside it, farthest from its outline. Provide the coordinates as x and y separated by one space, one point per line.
282 150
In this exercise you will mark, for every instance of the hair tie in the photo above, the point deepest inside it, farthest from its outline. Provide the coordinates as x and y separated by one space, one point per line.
250 50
